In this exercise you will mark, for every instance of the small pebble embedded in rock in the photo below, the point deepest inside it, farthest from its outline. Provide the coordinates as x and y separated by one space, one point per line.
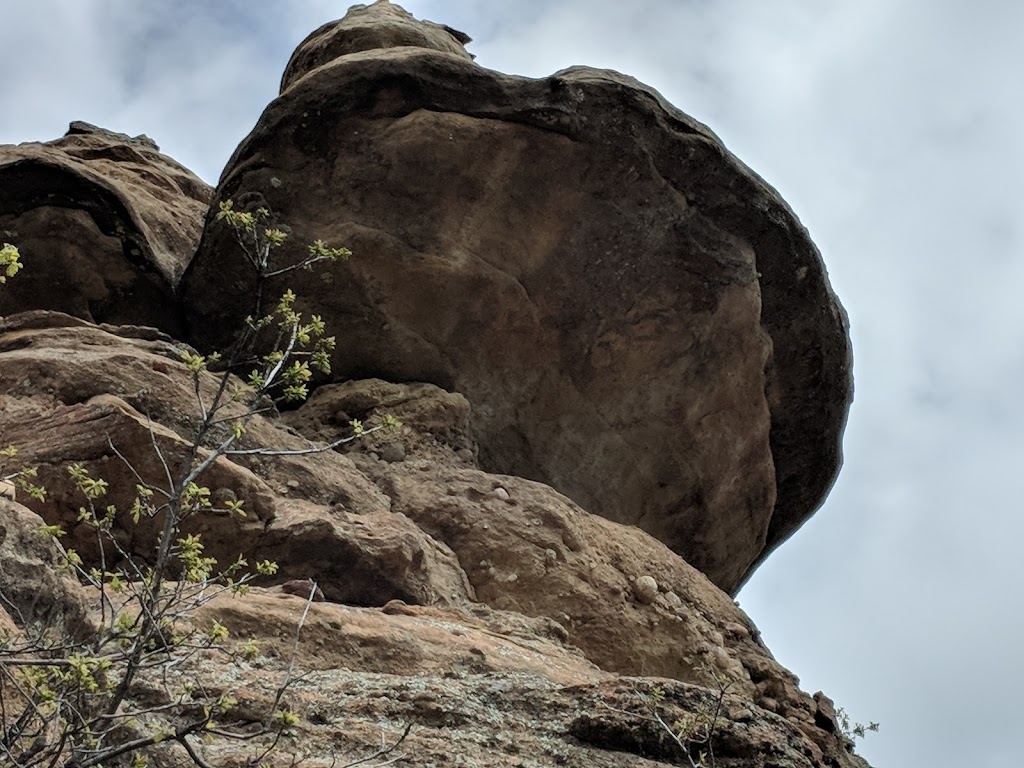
645 588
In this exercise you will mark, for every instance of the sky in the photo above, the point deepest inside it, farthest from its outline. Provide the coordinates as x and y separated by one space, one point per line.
894 129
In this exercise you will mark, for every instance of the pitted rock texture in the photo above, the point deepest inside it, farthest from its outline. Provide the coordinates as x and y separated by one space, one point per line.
105 223
636 318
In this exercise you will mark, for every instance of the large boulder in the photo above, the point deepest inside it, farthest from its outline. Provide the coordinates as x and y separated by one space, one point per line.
105 223
636 318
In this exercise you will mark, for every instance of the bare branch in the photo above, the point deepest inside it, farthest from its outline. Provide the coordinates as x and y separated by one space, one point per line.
302 451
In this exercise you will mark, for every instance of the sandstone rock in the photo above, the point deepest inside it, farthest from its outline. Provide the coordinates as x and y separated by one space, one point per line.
105 225
426 537
436 424
304 588
540 555
382 25
36 592
636 318
564 279
474 693
74 392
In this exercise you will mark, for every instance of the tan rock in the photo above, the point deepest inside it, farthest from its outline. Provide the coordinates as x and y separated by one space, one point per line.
335 525
304 588
36 592
566 279
366 29
105 224
645 588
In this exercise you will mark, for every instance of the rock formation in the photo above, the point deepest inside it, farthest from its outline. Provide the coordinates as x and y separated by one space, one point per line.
637 319
111 223
620 370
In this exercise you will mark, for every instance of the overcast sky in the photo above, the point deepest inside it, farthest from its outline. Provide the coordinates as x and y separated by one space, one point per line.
895 130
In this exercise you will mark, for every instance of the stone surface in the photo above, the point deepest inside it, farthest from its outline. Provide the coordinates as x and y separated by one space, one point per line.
74 392
36 594
573 298
435 423
105 224
304 588
637 319
479 688
368 28
473 601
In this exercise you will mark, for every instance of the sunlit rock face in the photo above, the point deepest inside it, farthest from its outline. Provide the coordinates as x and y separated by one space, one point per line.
636 318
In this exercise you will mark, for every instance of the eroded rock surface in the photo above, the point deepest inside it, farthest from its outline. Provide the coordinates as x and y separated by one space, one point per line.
636 318
36 592
485 599
74 392
574 299
106 221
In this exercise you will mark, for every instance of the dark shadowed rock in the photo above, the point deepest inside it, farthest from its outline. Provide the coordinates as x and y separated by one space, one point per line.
105 224
636 318
72 392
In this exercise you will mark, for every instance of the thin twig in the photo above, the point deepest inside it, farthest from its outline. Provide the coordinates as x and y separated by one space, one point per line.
303 451
383 751
295 647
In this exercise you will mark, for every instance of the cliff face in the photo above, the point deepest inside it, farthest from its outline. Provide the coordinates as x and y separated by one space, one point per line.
621 372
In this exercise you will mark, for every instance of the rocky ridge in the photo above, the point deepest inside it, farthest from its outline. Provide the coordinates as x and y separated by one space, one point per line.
505 316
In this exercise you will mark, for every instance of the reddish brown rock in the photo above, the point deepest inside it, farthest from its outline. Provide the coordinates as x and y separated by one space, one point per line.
304 588
565 279
636 318
105 224
483 688
367 29
435 423
73 392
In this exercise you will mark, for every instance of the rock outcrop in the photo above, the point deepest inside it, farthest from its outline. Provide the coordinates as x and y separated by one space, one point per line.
637 319
110 222
467 580
619 368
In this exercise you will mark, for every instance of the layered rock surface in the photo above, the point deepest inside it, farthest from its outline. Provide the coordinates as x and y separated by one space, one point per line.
636 318
110 222
465 602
